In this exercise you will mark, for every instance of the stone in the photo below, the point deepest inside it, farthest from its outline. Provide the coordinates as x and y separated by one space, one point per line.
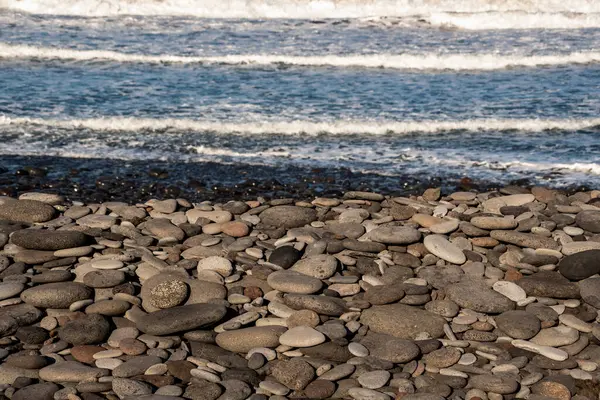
525 239
296 373
384 294
36 239
320 389
390 348
494 383
128 387
590 291
288 216
556 336
589 220
442 358
104 278
163 228
180 318
301 336
56 295
320 304
90 329
510 290
135 366
32 335
395 235
110 308
202 390
215 263
492 223
284 256
97 221
367 394
33 257
477 296
246 339
402 321
30 211
441 247
374 379
288 281
70 371
168 294
518 324
549 284
580 265
38 391
10 289
321 266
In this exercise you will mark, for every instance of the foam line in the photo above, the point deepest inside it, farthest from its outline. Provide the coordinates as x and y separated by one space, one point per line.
425 62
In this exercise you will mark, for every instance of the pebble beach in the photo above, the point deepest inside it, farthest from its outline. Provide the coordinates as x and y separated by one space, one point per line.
435 295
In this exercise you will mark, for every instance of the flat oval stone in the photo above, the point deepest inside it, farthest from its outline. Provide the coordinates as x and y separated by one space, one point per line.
491 223
320 304
518 324
30 211
179 319
525 239
104 278
493 383
367 394
71 371
302 336
580 265
106 264
288 216
321 266
390 348
244 340
56 295
510 290
293 282
90 329
10 289
395 235
556 336
37 239
589 220
402 321
215 263
441 247
477 296
374 379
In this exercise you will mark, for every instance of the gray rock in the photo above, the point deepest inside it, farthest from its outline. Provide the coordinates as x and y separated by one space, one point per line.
162 228
202 390
33 257
477 296
71 371
525 239
180 319
549 284
442 358
8 325
90 329
384 294
288 216
24 314
440 277
518 324
590 291
37 239
10 289
128 387
8 374
589 220
580 265
104 278
39 391
321 266
395 235
330 351
30 211
390 348
296 373
285 256
350 230
403 321
287 281
56 295
135 366
320 304
244 340
493 383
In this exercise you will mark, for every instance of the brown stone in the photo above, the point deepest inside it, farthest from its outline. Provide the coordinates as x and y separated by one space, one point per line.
85 353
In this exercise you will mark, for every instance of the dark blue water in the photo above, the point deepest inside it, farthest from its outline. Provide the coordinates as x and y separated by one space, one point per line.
387 96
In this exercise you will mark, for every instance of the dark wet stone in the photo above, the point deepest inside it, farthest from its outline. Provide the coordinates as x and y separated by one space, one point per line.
518 324
179 319
285 256
32 334
580 265
37 239
91 329
549 284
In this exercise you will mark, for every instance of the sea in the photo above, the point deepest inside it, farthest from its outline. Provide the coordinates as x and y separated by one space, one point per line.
491 90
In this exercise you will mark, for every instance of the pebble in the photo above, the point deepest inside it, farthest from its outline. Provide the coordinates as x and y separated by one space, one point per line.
302 336
441 247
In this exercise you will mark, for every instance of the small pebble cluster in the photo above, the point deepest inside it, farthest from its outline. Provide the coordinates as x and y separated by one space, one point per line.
469 295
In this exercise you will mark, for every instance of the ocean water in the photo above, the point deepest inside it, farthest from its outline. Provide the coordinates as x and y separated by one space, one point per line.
487 89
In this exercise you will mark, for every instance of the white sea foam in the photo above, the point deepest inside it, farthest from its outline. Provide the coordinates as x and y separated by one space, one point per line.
338 127
514 20
427 62
294 8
